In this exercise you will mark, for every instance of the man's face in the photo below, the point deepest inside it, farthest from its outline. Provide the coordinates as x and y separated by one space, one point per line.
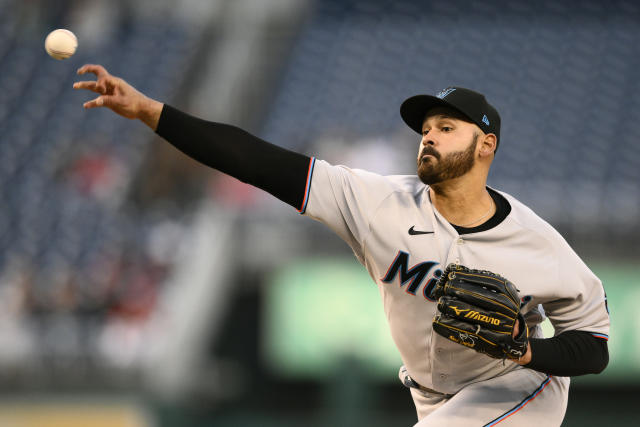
448 146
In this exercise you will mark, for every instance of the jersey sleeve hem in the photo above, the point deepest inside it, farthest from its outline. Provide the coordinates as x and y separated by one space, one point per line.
307 186
601 336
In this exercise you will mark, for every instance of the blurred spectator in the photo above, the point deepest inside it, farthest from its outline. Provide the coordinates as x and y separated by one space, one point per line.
100 175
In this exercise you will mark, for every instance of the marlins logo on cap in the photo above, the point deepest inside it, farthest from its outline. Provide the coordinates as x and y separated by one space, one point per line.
444 92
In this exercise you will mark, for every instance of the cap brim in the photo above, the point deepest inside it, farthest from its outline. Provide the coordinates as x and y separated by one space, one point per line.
413 110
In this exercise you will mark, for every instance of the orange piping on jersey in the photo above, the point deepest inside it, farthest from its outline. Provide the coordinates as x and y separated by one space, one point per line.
307 186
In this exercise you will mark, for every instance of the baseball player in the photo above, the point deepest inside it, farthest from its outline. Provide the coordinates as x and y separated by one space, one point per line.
466 272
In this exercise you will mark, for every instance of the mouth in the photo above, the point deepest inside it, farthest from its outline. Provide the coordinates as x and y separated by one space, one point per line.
426 157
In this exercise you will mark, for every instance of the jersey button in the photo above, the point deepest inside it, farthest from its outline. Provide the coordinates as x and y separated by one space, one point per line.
461 241
443 376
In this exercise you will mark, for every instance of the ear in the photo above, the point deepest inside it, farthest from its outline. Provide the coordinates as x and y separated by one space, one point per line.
487 144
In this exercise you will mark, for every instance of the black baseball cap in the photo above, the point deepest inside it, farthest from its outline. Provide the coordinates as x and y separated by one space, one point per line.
471 104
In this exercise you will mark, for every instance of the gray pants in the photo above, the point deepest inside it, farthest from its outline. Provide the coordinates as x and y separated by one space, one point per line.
519 398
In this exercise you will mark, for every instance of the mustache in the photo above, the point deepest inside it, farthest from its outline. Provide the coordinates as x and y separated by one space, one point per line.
429 150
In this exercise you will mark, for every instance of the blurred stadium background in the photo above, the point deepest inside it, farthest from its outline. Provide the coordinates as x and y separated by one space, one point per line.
138 288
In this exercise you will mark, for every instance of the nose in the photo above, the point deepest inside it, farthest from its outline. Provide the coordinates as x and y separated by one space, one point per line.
427 140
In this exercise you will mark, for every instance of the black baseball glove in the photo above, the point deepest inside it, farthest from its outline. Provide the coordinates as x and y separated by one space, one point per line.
479 309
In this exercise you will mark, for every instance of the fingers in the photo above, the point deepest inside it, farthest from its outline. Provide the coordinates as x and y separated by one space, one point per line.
98 70
104 79
89 85
114 92
101 101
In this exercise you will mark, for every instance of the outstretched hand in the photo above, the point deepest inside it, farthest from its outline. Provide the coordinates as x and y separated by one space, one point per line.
119 96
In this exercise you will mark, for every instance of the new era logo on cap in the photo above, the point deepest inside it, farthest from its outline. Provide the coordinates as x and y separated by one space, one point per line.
485 120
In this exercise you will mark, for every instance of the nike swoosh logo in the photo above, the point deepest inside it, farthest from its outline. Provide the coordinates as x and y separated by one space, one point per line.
413 232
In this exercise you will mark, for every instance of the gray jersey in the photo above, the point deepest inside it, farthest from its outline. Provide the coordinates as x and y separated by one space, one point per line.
404 243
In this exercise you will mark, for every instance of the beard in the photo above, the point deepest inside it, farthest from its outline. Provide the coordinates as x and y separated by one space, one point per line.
436 169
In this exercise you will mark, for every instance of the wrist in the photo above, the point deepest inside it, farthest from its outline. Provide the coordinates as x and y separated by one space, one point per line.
150 113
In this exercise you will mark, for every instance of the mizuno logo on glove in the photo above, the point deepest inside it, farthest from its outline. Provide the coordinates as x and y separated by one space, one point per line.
482 317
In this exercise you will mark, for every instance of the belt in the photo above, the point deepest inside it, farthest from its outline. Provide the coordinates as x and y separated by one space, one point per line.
411 383
428 390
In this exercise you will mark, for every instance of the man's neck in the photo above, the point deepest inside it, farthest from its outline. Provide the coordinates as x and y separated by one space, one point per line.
462 201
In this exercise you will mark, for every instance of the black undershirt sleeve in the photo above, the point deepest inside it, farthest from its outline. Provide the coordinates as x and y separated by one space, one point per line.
231 150
570 353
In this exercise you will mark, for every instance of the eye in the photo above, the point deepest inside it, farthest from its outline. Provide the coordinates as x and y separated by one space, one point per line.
446 129
424 132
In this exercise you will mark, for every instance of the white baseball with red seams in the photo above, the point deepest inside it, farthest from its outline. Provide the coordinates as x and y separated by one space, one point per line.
61 44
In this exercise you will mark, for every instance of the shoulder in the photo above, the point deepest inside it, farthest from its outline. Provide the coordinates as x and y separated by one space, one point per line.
410 184
531 223
381 184
535 234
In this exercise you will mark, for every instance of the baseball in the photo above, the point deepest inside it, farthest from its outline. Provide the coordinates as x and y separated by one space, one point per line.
61 44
